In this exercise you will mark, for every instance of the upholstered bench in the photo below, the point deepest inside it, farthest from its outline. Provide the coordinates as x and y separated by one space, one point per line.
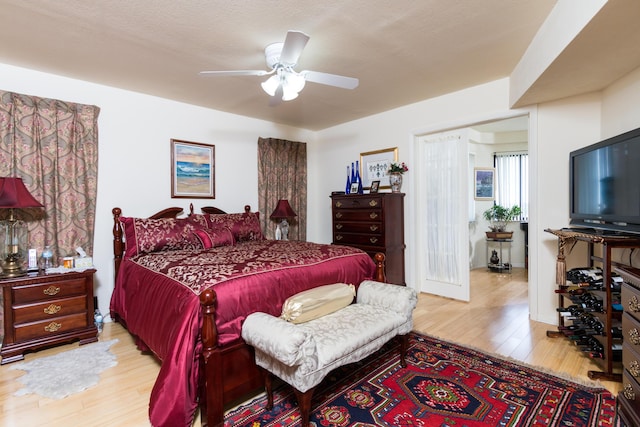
303 354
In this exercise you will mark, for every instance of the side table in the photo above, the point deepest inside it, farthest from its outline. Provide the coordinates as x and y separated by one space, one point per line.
500 264
41 310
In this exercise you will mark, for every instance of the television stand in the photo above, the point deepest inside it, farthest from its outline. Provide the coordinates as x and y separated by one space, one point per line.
606 313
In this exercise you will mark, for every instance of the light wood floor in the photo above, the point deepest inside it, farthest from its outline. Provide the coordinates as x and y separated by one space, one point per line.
496 321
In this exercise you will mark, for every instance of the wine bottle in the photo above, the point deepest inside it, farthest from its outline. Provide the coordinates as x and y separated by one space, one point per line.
358 179
348 188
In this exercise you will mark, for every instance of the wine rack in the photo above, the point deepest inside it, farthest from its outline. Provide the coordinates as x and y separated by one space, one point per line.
589 302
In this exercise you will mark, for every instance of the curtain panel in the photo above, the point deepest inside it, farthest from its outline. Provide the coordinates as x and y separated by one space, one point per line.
282 174
53 146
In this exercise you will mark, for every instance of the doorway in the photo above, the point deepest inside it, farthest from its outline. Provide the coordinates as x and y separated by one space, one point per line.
474 147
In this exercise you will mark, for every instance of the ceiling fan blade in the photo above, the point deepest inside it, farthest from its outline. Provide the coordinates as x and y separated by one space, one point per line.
331 79
294 43
235 73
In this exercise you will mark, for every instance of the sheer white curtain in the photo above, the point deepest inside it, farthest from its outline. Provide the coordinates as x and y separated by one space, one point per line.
512 181
442 229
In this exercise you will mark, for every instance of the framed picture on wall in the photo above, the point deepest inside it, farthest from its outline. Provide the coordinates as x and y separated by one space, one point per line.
192 170
374 166
484 183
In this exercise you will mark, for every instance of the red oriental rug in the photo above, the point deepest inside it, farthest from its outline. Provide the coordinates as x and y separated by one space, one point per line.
443 384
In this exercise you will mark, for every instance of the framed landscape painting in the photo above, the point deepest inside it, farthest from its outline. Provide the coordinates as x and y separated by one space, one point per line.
192 170
484 183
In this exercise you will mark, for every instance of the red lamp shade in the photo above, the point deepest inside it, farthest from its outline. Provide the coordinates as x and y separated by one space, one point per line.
283 210
13 194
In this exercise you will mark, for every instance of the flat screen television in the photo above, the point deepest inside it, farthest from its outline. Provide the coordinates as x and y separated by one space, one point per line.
605 185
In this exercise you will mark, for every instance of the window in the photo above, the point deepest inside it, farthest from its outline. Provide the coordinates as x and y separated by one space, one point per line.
512 181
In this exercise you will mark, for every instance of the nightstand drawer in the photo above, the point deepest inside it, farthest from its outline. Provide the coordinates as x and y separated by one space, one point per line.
40 292
47 327
357 202
49 309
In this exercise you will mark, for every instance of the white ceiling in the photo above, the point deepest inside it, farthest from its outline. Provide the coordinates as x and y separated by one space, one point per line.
402 51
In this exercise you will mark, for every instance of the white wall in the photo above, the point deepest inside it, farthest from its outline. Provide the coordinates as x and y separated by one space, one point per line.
134 153
340 145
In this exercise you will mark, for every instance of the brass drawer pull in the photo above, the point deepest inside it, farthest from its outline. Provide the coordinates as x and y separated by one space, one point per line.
373 239
373 228
338 237
634 368
51 290
338 204
633 304
634 336
373 203
339 226
373 215
52 309
53 327
339 215
628 392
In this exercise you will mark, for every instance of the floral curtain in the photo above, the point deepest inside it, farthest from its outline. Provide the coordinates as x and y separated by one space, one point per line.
53 146
282 174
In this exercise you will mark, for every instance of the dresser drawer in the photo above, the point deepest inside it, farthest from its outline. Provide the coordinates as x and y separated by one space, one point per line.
357 202
49 309
358 227
630 300
361 215
358 239
630 392
41 329
631 332
45 291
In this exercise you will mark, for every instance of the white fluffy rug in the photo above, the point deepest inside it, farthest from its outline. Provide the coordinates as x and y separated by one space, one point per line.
58 376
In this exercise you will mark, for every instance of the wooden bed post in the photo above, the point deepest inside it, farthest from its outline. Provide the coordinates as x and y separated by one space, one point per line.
211 395
118 246
380 276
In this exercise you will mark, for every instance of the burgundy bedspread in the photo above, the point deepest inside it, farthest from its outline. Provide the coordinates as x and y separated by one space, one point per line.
157 297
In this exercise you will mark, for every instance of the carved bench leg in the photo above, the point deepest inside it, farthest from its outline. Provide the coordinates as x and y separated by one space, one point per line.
304 403
404 346
268 377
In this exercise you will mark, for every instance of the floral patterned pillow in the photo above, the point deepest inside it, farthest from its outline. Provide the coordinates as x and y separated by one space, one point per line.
243 226
214 237
144 235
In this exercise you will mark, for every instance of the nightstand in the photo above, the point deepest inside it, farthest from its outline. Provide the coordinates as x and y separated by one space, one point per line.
42 310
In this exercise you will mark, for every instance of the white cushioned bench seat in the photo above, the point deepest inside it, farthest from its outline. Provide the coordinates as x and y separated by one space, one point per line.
303 354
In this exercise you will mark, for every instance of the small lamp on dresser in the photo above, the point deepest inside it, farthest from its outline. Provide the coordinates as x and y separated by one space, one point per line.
14 195
282 212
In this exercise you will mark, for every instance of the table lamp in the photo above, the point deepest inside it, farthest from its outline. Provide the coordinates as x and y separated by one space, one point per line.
14 195
282 212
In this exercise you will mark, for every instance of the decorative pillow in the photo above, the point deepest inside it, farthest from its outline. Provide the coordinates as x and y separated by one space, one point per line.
243 226
144 235
214 237
317 302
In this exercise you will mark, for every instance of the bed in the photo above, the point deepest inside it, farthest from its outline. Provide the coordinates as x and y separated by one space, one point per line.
183 286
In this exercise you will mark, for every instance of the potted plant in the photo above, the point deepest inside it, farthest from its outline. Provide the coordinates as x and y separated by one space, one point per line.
499 216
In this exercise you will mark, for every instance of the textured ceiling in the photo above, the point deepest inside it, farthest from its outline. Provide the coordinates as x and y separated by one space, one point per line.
402 51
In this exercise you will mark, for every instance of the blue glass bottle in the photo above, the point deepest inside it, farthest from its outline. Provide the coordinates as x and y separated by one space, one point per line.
347 190
358 179
353 173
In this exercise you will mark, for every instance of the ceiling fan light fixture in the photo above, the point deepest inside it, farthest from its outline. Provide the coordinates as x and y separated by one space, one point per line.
271 85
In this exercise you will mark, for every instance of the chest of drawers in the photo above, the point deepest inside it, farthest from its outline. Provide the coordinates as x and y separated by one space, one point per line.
629 396
45 310
373 223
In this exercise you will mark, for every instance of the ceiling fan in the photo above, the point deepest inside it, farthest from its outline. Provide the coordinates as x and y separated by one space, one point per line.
285 83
